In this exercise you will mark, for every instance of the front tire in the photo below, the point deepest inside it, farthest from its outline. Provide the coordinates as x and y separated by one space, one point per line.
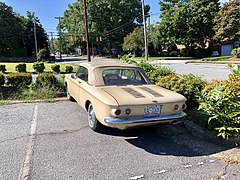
93 122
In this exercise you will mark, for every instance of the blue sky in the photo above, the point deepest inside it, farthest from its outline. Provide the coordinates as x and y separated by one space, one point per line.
46 10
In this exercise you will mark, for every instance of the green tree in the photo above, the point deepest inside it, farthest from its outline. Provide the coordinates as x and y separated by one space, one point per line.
187 22
227 22
110 19
11 30
135 41
42 39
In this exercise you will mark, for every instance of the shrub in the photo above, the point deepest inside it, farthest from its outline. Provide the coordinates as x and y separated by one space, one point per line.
43 54
173 54
236 52
185 85
3 68
21 67
223 110
203 53
69 69
2 79
19 79
39 67
234 71
154 72
45 79
36 92
56 68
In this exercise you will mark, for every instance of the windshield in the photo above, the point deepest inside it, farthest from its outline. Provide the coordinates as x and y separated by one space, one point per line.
116 76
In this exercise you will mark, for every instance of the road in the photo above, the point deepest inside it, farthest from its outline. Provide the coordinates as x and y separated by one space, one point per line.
207 71
53 141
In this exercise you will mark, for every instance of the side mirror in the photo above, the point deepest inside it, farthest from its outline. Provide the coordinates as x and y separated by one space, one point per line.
73 76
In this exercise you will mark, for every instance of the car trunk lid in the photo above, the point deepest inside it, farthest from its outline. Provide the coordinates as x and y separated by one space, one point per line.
141 95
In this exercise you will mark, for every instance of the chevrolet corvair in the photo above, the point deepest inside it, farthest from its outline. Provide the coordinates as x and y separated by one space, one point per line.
120 95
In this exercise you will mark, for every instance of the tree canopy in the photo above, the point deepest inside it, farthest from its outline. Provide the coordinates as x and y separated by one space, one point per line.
109 19
17 33
11 29
227 22
187 22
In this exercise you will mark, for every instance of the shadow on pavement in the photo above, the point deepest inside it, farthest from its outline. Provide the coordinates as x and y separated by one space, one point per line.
162 140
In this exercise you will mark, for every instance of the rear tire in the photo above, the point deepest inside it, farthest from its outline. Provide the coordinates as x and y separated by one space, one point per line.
93 122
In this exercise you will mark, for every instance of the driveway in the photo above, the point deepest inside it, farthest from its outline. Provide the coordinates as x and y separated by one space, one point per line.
53 141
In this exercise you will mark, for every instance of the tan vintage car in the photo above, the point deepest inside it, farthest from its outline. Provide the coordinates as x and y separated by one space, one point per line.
120 95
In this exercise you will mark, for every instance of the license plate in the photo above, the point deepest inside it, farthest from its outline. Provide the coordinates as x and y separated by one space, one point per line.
152 111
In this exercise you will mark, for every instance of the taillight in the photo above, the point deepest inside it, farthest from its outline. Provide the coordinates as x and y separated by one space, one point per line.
176 107
128 111
184 107
117 112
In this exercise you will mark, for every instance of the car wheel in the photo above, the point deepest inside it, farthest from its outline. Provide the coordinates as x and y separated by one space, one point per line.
93 122
69 97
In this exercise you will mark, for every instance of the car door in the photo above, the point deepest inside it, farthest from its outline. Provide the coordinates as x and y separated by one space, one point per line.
82 80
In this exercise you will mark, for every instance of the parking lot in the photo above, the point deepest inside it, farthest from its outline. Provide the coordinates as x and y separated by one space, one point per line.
53 141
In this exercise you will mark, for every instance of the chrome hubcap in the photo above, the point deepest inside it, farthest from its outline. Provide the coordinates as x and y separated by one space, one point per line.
91 116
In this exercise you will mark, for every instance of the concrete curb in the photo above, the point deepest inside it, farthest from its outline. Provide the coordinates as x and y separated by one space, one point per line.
201 133
37 101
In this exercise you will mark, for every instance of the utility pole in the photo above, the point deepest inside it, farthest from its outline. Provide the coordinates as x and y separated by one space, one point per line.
53 49
86 30
60 36
35 36
145 31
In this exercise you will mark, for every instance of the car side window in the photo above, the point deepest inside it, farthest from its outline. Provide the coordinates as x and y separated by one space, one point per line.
82 73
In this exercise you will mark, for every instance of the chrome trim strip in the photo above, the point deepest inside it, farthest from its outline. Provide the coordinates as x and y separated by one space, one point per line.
144 119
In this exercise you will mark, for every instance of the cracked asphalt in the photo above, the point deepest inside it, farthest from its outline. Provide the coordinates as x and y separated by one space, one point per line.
53 141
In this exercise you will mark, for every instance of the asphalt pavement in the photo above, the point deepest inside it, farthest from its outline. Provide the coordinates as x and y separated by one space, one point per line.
206 71
53 141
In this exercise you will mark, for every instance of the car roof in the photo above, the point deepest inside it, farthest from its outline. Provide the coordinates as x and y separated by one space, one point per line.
98 64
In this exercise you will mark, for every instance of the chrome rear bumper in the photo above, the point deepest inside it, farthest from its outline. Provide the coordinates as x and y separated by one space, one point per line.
144 119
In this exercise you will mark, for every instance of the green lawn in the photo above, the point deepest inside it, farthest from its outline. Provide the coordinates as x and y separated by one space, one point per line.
219 58
11 67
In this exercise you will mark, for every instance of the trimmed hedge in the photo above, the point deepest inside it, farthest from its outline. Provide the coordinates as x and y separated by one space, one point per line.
39 67
2 79
19 79
21 67
56 68
69 69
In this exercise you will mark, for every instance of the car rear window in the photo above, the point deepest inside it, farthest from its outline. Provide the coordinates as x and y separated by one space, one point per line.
116 76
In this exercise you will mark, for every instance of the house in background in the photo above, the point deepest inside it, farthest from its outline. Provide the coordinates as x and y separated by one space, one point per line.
227 48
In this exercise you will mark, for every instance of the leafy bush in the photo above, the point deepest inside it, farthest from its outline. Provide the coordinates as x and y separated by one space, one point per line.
2 79
39 67
236 52
43 54
153 72
223 110
234 71
34 92
21 67
56 68
69 69
185 85
19 79
173 54
232 86
45 79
